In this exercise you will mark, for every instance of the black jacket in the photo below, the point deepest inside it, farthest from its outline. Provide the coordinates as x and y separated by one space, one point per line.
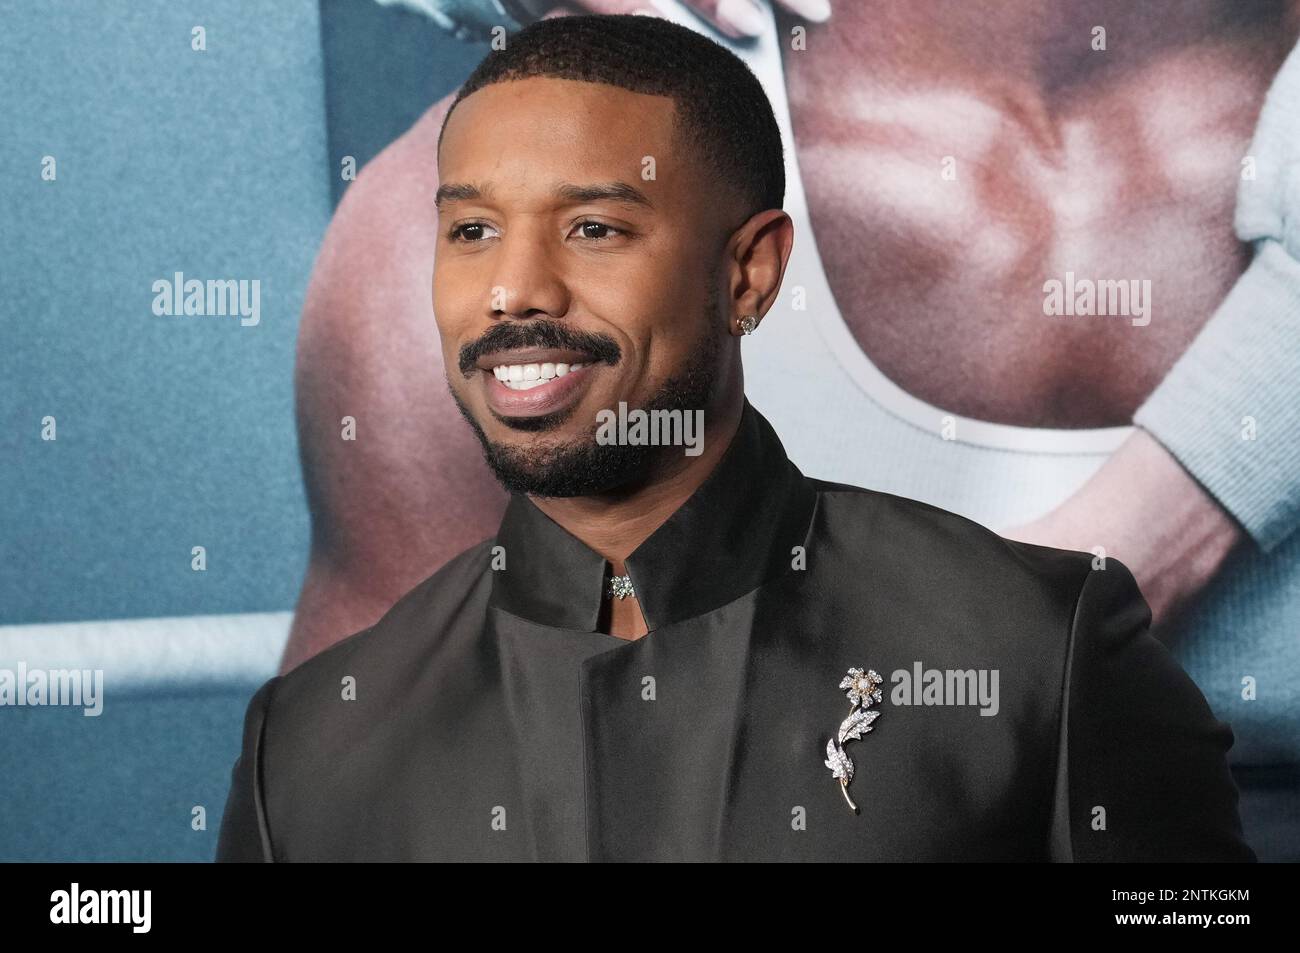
484 718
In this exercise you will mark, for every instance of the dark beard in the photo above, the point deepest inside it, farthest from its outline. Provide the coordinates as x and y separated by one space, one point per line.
587 468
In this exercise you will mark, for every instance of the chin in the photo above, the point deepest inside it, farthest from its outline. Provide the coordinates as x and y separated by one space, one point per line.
578 466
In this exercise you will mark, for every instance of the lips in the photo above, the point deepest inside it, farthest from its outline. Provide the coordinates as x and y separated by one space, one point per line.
553 395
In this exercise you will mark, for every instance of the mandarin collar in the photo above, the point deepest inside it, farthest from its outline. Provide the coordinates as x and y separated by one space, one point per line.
736 531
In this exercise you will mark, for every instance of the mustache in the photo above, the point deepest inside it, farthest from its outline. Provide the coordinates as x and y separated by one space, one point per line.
538 333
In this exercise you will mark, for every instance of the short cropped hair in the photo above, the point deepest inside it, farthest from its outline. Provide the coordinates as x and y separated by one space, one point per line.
721 110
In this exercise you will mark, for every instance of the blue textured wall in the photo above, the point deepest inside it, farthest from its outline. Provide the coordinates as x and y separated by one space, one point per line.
121 786
172 431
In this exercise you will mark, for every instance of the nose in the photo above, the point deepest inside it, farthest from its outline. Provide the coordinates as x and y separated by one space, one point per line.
526 281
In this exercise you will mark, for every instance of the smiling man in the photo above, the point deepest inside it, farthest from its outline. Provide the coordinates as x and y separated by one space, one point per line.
671 655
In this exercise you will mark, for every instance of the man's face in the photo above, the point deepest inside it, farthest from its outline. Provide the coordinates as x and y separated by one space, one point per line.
578 299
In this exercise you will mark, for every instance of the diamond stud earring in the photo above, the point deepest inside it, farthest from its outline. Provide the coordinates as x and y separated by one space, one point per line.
748 323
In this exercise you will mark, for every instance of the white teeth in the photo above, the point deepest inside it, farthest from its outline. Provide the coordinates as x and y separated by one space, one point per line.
525 385
527 376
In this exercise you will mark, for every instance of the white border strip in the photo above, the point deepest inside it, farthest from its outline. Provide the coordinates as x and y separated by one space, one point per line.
180 651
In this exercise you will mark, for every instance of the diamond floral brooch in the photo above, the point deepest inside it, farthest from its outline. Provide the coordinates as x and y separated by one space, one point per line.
862 691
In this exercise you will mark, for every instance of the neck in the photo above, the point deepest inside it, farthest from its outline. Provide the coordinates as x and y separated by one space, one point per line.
615 524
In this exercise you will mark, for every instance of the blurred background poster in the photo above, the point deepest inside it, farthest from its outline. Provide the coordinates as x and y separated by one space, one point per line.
1045 275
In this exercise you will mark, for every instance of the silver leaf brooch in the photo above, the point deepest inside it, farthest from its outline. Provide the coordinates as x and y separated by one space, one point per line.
862 689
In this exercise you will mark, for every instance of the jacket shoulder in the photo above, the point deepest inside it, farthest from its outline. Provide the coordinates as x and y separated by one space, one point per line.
419 623
336 703
919 535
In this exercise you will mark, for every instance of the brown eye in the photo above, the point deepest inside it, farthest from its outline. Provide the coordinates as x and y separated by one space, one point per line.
598 225
456 233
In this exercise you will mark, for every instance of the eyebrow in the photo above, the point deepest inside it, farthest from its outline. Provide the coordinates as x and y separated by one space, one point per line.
619 192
